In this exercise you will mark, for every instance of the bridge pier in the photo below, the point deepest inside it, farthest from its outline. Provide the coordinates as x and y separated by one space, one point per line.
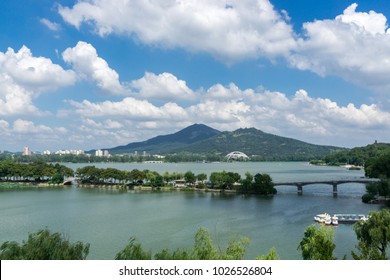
334 189
299 189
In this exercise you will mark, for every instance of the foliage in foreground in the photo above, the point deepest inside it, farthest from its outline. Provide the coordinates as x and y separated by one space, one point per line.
317 243
373 236
44 245
203 249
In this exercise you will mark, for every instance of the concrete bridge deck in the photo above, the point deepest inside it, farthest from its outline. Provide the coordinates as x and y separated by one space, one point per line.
333 183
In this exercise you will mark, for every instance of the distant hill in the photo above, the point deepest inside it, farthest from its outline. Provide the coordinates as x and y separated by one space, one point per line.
262 146
201 139
167 143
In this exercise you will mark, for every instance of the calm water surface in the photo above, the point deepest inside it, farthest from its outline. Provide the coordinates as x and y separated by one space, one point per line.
107 219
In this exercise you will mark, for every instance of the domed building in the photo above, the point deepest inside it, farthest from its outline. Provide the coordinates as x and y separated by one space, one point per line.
236 155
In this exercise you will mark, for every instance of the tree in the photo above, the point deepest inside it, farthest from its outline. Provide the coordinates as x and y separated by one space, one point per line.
133 251
203 247
178 254
236 249
373 236
378 167
317 243
374 189
189 177
263 184
271 255
44 245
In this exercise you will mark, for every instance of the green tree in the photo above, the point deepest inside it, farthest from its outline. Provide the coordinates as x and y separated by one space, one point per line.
263 184
44 245
189 177
178 254
133 251
378 167
317 243
236 249
203 247
373 236
271 255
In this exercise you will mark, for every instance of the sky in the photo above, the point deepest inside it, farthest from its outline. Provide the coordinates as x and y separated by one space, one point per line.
92 74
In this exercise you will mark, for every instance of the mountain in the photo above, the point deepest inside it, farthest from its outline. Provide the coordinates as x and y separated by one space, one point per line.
201 139
261 145
167 143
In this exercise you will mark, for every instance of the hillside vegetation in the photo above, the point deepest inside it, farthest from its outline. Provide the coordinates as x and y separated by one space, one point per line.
359 155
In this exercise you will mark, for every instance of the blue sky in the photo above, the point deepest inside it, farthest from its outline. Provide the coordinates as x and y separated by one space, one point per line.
96 74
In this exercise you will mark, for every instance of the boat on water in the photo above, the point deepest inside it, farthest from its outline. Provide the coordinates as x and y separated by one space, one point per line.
326 219
336 219
351 218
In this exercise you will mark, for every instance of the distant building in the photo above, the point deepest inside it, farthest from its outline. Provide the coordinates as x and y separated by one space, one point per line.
47 152
106 153
26 151
70 152
99 153
236 155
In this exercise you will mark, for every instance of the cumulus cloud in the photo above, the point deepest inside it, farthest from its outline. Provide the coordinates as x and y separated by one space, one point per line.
14 99
28 127
130 108
23 77
88 65
354 46
164 86
244 29
316 120
37 74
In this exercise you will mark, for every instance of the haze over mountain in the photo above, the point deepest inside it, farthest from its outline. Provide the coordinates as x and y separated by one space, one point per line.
202 139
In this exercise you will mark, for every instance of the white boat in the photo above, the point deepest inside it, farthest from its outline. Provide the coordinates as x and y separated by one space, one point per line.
326 219
335 220
322 218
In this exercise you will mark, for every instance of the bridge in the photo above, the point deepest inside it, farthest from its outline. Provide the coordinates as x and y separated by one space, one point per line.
333 183
69 181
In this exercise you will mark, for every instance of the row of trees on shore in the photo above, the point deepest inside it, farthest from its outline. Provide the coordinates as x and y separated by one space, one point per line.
91 175
373 238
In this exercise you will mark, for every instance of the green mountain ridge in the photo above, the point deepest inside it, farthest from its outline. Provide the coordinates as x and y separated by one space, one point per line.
201 139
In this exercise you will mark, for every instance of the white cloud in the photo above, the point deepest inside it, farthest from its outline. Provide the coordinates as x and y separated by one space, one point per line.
28 127
354 46
164 86
53 26
37 74
88 65
14 99
23 77
371 22
315 120
129 108
247 29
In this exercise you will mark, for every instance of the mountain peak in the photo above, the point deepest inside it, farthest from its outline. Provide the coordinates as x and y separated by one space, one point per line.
165 143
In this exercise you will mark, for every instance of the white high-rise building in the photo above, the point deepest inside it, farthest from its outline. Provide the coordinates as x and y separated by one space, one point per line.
26 151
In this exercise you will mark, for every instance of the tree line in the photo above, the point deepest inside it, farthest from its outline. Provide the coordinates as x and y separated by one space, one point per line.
39 171
55 173
317 243
258 184
378 167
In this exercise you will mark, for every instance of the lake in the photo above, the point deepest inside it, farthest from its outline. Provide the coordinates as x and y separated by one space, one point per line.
108 218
